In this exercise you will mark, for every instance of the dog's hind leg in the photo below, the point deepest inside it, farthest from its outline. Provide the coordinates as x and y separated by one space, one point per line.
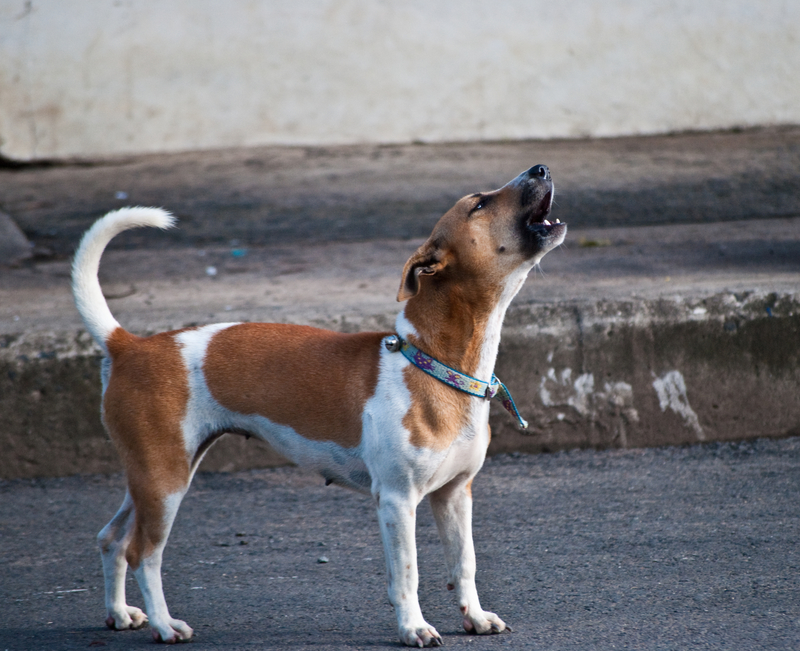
144 408
452 510
113 541
155 508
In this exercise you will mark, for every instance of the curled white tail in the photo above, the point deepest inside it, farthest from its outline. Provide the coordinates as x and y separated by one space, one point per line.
85 286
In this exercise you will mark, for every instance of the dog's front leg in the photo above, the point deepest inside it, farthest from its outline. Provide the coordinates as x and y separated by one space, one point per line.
452 509
398 515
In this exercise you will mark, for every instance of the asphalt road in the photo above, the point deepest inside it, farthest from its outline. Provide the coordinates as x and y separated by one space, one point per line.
674 548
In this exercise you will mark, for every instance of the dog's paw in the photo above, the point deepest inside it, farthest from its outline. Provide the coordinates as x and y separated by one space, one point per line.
484 623
421 636
174 630
129 618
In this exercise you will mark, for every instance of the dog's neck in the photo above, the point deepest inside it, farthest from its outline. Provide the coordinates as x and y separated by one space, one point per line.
460 328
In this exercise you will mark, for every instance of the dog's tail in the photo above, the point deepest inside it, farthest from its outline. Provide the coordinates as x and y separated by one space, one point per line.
85 285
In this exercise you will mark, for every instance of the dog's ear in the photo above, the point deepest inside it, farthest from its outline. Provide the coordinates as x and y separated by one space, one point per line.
425 262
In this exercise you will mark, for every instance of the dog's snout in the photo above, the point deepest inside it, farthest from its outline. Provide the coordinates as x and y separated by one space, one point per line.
540 172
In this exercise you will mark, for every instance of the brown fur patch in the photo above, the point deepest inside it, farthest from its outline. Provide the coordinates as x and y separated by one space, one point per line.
437 413
453 282
143 407
314 381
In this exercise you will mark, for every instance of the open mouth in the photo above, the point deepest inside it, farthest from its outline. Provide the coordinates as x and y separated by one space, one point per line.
540 233
537 219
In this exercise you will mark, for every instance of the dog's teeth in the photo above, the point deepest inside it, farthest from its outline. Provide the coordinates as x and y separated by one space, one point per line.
558 221
546 223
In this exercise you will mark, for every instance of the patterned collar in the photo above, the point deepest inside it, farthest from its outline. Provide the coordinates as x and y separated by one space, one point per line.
449 376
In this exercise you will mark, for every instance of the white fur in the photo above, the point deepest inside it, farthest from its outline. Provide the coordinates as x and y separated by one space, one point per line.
400 472
402 326
85 285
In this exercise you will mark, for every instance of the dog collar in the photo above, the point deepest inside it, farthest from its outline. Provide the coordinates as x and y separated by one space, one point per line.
453 378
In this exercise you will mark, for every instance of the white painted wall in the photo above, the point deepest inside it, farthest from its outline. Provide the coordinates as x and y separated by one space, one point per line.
104 77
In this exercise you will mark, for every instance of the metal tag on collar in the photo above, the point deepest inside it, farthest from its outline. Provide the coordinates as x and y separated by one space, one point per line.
392 343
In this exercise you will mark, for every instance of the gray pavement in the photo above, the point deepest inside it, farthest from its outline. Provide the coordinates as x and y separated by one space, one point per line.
670 548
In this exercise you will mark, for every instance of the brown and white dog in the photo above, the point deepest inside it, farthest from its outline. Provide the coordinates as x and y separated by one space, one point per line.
344 404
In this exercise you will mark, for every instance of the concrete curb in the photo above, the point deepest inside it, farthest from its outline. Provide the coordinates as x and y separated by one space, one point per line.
604 374
652 373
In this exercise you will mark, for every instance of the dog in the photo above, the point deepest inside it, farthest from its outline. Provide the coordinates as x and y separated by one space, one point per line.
371 411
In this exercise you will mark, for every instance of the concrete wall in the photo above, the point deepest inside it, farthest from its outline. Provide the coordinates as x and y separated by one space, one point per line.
103 77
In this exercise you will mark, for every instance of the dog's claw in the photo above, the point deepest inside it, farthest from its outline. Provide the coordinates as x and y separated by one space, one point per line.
433 641
422 637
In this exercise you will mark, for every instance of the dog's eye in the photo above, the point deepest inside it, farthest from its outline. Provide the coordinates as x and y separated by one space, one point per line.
482 203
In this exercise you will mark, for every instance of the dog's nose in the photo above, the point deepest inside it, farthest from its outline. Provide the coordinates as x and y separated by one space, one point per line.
540 172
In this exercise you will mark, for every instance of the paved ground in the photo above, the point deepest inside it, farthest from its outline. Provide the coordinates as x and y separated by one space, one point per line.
672 548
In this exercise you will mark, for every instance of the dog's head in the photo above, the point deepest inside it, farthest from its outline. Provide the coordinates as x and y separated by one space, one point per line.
488 236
